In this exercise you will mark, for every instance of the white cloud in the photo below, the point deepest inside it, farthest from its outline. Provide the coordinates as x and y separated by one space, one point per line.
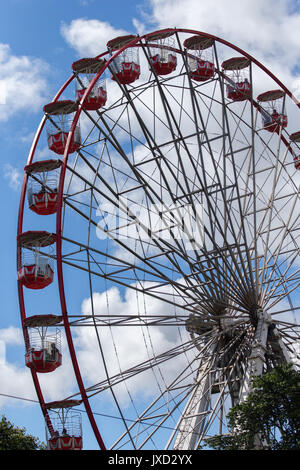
85 3
249 21
23 83
16 379
139 26
125 347
267 30
89 37
11 335
28 138
13 176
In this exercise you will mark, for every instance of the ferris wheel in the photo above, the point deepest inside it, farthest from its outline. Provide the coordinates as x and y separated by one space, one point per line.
158 238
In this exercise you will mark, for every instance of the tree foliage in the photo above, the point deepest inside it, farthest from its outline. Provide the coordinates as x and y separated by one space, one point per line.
14 438
269 418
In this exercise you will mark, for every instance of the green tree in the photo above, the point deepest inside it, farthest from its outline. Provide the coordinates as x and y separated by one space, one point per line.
14 438
271 414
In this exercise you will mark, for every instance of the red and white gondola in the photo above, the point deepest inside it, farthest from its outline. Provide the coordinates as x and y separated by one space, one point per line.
60 119
85 70
125 67
200 57
237 76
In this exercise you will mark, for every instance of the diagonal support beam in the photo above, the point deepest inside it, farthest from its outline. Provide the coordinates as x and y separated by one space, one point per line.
193 417
256 359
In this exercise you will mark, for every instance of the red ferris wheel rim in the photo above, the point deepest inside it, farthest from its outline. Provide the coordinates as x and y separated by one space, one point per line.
134 41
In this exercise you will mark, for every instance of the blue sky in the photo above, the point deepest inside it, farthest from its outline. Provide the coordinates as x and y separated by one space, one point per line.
38 43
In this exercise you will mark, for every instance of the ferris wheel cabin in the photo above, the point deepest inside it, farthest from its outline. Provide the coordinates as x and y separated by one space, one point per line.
64 431
162 61
43 179
200 61
236 71
60 119
272 110
85 70
43 351
125 67
295 146
35 268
